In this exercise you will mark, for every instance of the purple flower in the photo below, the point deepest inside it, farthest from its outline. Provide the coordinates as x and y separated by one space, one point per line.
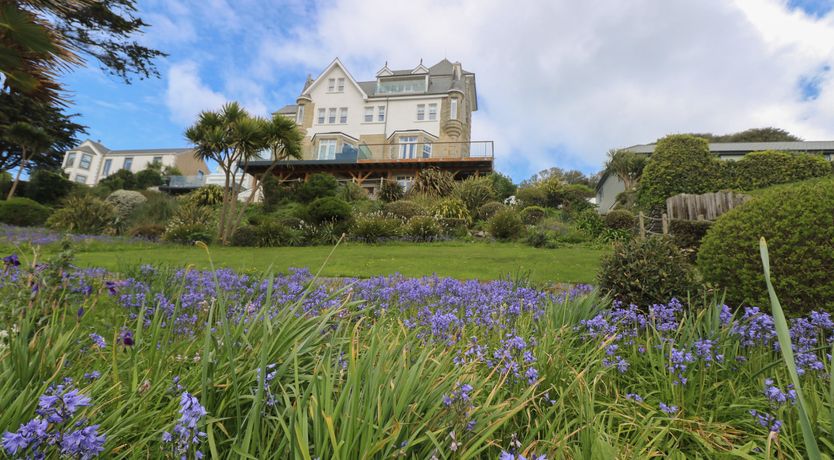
11 261
98 341
126 338
634 397
671 410
186 433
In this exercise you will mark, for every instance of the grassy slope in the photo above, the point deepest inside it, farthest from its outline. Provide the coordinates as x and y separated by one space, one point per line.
458 260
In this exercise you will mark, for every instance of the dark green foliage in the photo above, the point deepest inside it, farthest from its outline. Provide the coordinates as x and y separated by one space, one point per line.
474 192
532 215
158 209
351 192
373 228
152 232
532 196
752 135
207 195
540 238
489 209
48 187
148 178
452 208
317 186
273 233
433 182
189 233
763 169
23 212
571 197
119 180
645 271
405 209
506 225
85 214
423 228
620 219
191 223
390 191
273 193
589 222
798 222
687 234
680 164
329 209
246 236
503 185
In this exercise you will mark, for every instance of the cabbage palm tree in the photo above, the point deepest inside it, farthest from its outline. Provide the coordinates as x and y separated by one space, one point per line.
232 138
627 166
32 140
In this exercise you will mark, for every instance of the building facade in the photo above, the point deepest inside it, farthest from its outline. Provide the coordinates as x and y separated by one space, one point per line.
91 162
610 186
391 127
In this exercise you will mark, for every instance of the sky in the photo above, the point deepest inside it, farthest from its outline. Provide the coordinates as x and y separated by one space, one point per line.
560 82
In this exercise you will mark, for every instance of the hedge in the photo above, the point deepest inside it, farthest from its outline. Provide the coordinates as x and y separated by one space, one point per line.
23 212
763 169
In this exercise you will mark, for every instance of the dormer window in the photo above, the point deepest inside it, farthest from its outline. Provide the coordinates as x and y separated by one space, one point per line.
391 86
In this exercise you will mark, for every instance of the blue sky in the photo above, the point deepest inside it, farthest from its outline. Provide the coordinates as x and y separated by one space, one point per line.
559 83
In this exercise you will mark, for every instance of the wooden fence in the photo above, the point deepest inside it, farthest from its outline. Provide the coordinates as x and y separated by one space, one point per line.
703 207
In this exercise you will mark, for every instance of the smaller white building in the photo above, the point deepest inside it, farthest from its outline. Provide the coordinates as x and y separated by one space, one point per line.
91 162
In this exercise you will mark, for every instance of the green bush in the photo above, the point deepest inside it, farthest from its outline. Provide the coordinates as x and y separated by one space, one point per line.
423 228
23 212
405 209
570 197
763 169
589 222
796 220
645 271
453 227
506 225
207 195
84 214
532 195
191 223
489 209
679 164
327 233
119 180
317 186
148 178
351 192
273 233
246 236
152 232
372 228
688 234
474 192
434 182
540 238
620 219
452 208
273 193
390 191
329 209
503 185
48 187
532 215
125 202
159 208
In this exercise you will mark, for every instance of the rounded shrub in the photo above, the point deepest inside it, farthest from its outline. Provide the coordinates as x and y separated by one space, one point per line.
273 233
119 180
646 271
620 219
506 225
763 169
317 186
125 202
372 228
329 209
532 215
246 236
152 232
532 195
679 164
797 220
390 191
487 210
434 182
207 195
405 209
451 208
351 192
474 192
423 228
23 212
191 223
84 214
148 178
48 187
688 234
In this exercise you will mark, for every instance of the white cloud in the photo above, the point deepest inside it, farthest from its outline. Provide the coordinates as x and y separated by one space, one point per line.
561 82
186 95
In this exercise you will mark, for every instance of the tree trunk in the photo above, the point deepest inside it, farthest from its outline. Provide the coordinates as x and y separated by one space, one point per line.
23 160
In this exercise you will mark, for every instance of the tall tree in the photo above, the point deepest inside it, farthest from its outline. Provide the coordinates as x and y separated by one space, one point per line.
572 176
32 141
232 138
627 166
41 38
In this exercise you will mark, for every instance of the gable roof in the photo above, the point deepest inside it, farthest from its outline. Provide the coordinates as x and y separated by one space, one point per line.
336 63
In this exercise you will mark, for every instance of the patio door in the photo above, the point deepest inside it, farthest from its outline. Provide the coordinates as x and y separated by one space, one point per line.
408 147
327 149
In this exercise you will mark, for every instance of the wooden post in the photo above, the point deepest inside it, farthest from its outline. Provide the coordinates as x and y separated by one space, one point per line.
642 225
700 217
665 221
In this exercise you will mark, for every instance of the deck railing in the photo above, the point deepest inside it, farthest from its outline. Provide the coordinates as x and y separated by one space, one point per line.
402 151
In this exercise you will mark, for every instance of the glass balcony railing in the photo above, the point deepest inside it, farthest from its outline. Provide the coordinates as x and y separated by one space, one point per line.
405 151
186 181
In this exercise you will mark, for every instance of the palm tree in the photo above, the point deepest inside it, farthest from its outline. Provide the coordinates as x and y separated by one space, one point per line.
32 140
627 166
232 138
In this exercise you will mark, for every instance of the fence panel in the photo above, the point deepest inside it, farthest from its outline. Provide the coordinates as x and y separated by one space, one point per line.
707 206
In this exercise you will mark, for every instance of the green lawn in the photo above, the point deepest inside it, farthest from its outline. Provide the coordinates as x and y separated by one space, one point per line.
574 264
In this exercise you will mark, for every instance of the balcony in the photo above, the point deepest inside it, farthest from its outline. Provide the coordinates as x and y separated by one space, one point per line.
401 152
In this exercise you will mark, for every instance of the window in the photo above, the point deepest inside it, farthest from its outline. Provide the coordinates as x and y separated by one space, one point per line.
453 109
343 115
331 84
81 179
85 161
408 147
380 116
106 170
71 160
421 112
321 116
331 116
432 111
401 86
340 85
299 116
327 149
427 150
157 160
369 114
128 163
